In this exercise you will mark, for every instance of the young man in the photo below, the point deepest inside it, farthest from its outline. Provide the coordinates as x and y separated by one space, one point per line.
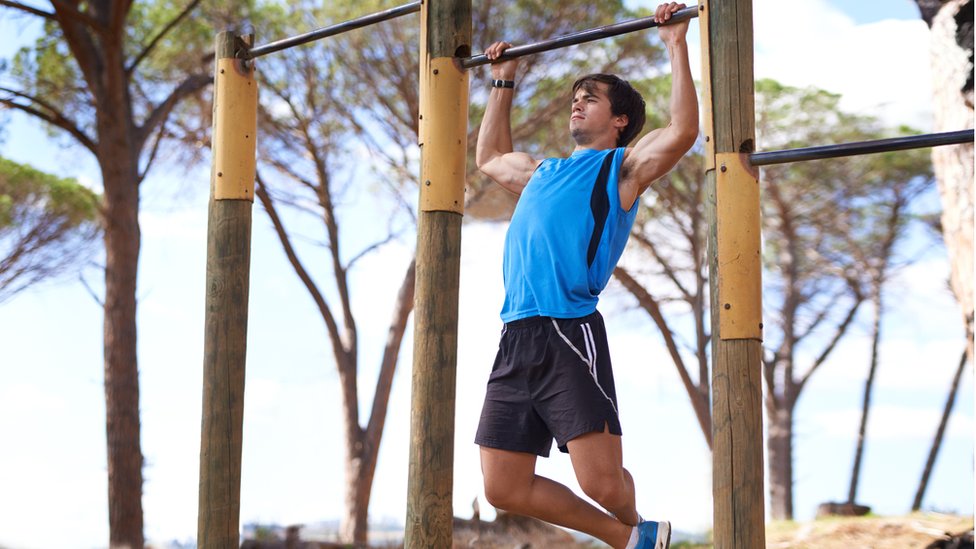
552 376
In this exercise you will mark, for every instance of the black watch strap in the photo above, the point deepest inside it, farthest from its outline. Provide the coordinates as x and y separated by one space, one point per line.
503 83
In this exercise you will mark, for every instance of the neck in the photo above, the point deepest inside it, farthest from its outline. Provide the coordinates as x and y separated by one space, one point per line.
600 144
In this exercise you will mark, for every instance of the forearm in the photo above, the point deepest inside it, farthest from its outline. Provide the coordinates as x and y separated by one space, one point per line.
684 100
495 135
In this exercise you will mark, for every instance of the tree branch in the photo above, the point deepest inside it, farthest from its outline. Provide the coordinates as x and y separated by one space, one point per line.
66 11
192 84
152 43
29 9
398 326
266 201
838 334
53 117
648 303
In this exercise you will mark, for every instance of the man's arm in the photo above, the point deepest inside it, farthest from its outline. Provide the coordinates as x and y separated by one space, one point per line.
657 152
494 153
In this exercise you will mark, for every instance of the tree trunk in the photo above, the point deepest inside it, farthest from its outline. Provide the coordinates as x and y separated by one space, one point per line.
355 521
953 103
780 449
122 242
937 441
866 403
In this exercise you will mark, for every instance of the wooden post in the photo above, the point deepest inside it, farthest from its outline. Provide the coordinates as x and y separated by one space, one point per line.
228 265
445 36
735 274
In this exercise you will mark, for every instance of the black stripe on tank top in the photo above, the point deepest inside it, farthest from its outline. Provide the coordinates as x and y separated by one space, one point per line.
600 206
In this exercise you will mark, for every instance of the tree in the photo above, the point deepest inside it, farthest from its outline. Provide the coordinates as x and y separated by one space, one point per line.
939 433
47 226
814 223
108 74
883 220
309 161
951 22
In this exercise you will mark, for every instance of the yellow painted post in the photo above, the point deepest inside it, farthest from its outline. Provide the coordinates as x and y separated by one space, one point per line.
228 265
445 36
734 274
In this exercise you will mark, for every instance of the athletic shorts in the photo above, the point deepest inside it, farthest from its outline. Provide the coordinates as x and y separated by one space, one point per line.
552 378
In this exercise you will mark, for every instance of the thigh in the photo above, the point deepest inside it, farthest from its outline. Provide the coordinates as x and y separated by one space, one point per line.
597 457
505 470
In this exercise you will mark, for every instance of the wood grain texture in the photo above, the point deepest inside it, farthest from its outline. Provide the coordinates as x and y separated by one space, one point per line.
445 33
225 347
737 434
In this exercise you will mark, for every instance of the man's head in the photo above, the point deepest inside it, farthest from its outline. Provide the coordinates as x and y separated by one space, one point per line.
625 103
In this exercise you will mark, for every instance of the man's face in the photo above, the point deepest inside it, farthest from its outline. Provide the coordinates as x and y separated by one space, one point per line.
591 117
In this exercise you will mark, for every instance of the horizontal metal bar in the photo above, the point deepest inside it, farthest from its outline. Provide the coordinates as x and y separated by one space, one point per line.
861 147
333 30
580 37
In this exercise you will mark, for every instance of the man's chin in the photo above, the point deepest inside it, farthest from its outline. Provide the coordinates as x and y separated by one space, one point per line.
580 137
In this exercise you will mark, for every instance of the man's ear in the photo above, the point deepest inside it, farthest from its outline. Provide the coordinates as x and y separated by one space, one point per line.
620 122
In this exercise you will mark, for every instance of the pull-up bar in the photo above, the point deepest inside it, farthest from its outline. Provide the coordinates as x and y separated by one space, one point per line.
861 147
580 37
333 30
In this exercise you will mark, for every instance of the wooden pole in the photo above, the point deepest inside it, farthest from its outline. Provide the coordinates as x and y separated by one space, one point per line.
445 36
735 274
228 265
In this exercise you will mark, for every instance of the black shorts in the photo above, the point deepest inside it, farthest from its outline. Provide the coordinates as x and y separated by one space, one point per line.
552 378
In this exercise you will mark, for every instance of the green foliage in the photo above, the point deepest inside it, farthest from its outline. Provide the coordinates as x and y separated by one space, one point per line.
23 187
47 226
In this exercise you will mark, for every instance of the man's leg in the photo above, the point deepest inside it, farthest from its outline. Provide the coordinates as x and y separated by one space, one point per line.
598 462
512 485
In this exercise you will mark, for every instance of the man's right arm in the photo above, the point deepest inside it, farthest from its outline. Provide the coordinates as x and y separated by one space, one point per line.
494 153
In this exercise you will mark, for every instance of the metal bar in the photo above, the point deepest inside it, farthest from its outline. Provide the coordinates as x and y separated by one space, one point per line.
580 37
861 147
333 30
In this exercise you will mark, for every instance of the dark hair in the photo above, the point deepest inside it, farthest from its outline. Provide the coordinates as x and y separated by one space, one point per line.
624 100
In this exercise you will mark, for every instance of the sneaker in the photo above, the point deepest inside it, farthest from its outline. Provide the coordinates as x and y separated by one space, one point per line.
654 535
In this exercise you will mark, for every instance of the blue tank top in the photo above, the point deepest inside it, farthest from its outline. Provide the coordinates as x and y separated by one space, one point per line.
566 236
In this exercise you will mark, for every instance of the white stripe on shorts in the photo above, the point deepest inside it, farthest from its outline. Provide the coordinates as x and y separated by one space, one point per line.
590 358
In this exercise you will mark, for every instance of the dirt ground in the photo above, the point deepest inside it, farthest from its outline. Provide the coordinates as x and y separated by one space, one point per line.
915 531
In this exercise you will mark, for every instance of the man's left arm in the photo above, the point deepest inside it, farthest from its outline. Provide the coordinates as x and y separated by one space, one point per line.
657 152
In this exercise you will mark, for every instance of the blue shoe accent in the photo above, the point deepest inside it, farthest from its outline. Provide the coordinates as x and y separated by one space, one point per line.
653 535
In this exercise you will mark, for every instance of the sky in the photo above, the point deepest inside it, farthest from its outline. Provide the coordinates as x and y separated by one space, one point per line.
53 465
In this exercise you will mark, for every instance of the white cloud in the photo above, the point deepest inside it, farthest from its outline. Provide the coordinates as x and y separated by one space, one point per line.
879 68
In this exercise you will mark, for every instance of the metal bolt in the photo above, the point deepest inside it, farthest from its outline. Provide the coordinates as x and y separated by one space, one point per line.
427 182
724 169
708 138
728 306
435 71
760 325
220 174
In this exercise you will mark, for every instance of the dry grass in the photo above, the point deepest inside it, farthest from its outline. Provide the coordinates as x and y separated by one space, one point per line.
915 531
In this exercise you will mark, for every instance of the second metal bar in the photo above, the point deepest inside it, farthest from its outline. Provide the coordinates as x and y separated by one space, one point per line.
333 30
580 37
861 147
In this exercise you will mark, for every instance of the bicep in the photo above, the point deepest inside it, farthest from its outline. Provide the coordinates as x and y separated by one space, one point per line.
511 170
654 156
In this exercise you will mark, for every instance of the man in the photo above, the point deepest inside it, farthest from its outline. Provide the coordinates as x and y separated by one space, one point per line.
552 376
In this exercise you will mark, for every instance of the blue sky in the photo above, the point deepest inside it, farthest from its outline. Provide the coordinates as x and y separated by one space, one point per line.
52 471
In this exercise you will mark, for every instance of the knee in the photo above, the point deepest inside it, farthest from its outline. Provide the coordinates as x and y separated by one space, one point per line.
609 492
503 495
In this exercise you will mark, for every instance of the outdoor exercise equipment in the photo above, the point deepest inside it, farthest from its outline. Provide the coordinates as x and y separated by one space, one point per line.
734 259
